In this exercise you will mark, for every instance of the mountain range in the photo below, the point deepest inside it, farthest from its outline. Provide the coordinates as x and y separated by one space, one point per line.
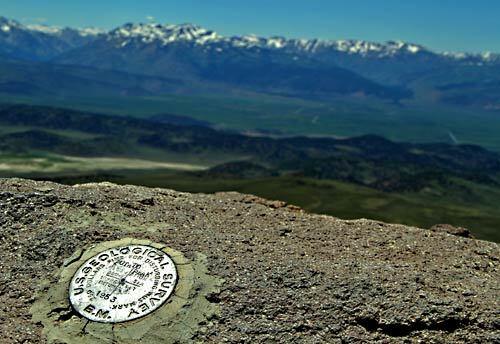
199 59
38 42
188 33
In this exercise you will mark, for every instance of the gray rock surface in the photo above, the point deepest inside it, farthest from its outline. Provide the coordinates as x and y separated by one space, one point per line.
289 277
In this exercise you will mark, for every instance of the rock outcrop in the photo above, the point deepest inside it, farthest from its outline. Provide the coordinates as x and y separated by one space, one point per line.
285 276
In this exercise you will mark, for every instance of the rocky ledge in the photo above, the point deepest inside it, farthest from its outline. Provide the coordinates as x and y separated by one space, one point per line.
285 276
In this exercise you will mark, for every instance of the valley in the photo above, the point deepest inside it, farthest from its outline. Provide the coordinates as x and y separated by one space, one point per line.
280 116
367 176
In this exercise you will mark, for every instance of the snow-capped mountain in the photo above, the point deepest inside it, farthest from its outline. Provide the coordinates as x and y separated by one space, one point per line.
165 34
192 53
487 57
157 49
65 39
196 55
40 42
57 30
169 34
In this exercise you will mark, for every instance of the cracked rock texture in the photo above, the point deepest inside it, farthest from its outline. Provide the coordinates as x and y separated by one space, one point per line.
289 277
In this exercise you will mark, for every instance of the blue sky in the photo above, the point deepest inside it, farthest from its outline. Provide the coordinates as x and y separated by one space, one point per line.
454 25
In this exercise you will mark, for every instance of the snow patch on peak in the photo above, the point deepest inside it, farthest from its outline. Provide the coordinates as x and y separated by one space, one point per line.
57 30
310 46
51 30
474 59
455 55
490 57
164 34
414 48
251 38
353 47
6 25
276 42
90 31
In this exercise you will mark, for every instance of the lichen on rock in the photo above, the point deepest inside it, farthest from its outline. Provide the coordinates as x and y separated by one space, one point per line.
288 276
176 321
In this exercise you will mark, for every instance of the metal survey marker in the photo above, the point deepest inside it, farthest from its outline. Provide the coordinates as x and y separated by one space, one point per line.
123 283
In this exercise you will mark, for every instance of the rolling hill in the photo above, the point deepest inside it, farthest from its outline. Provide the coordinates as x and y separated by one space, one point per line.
431 176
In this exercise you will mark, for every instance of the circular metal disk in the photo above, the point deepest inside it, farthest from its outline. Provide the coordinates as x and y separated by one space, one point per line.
123 283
